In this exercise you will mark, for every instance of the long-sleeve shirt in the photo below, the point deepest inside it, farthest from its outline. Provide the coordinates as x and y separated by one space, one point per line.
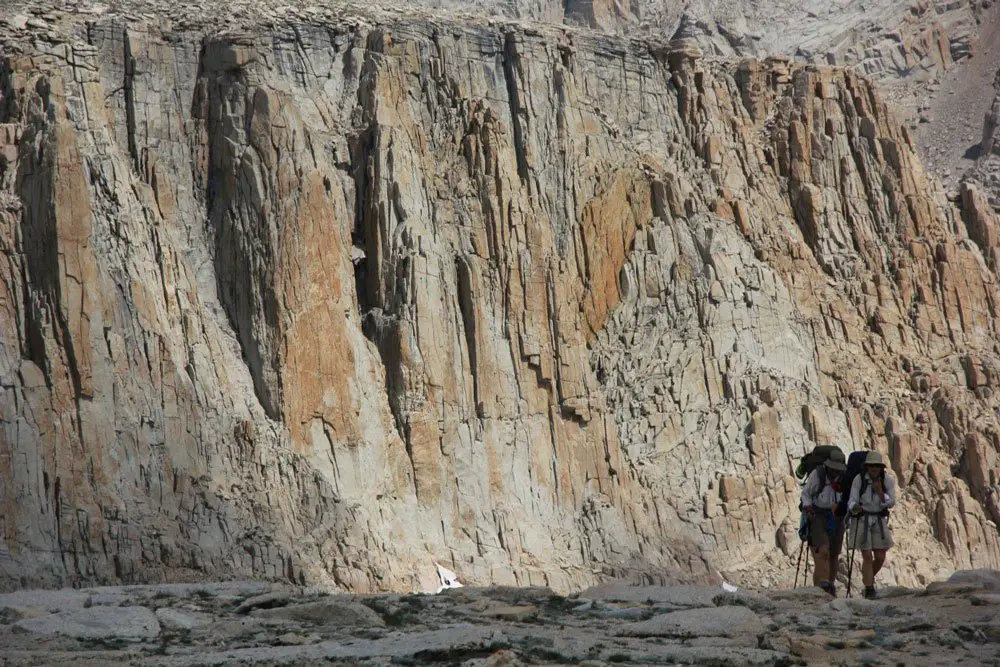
870 501
818 492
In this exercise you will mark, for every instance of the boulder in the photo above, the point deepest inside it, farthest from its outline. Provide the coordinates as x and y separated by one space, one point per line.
987 580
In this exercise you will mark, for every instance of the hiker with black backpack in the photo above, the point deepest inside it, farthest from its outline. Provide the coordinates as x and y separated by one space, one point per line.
820 497
873 494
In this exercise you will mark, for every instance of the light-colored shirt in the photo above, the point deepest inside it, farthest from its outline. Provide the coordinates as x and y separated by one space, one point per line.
869 500
818 492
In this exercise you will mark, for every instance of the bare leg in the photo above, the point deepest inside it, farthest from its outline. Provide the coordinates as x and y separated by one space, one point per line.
867 568
822 559
879 561
834 565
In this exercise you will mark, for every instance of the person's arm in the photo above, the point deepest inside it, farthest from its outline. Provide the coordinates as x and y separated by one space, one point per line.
809 490
855 497
888 492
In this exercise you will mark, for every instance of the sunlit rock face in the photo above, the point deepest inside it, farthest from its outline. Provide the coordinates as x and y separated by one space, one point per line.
334 297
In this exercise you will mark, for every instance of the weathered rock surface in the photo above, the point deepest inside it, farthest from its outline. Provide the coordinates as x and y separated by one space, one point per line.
886 39
731 622
178 619
331 295
982 180
100 622
337 612
923 627
947 114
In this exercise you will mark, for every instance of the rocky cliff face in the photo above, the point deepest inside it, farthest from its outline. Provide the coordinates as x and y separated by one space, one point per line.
330 297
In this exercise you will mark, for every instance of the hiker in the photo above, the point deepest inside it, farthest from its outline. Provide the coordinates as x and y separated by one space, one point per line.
873 494
820 497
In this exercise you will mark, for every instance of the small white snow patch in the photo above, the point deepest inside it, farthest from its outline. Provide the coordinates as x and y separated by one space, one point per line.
447 578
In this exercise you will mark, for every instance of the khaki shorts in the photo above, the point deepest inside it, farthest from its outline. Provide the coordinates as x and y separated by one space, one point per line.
819 538
870 533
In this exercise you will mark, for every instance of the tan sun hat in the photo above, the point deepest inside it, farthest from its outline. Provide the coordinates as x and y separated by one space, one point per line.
874 459
835 465
836 461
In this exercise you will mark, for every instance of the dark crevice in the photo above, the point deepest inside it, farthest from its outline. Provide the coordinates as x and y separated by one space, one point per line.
365 270
465 296
128 87
512 74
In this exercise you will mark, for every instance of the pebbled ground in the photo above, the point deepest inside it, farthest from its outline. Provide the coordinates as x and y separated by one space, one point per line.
253 623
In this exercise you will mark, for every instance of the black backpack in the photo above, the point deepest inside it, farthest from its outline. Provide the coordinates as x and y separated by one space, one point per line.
855 464
814 459
809 462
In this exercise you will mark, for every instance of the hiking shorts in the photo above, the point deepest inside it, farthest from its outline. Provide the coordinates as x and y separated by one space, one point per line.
869 532
819 537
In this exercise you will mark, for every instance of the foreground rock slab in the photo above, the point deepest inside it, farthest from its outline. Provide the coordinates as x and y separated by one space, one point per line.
495 627
126 623
737 622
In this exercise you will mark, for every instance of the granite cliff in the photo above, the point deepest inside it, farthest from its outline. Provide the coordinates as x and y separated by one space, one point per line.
334 294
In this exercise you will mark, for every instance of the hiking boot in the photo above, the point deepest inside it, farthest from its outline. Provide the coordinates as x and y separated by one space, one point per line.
870 592
828 588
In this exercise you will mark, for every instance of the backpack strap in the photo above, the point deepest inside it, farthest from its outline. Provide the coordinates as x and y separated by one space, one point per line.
821 476
823 481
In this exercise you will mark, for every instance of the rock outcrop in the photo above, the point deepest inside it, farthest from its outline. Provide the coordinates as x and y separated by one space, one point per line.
333 295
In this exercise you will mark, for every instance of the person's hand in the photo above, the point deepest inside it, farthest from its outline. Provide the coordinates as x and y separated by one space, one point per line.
856 510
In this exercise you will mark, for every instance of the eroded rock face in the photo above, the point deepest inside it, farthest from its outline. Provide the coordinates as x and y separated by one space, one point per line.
882 39
331 300
981 184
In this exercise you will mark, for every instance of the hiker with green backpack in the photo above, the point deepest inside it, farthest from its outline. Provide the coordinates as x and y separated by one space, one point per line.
872 495
820 498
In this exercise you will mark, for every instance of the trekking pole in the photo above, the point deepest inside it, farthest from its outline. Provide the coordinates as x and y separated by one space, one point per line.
865 541
795 584
851 550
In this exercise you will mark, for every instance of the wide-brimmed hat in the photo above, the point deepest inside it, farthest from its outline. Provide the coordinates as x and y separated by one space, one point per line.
874 459
836 461
833 464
